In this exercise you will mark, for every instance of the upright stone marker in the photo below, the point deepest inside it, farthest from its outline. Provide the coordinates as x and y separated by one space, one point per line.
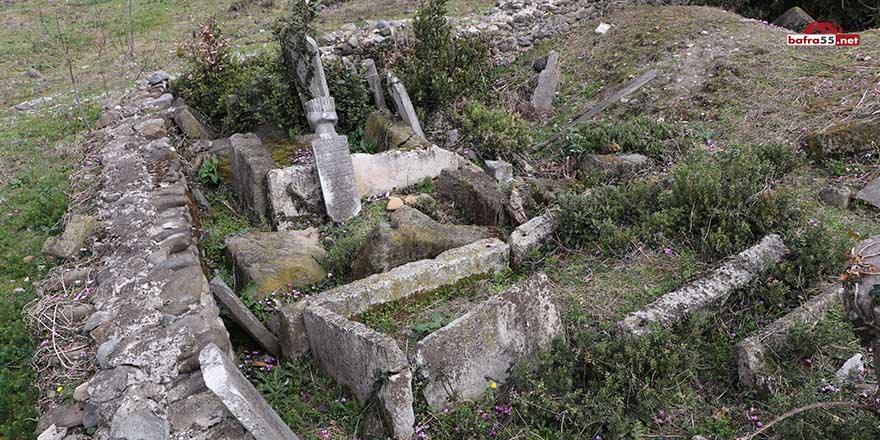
404 106
542 97
332 154
375 82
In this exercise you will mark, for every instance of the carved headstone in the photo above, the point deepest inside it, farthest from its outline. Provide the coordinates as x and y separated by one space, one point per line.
403 104
332 154
372 75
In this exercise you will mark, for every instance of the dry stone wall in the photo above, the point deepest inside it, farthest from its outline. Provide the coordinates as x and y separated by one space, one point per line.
154 311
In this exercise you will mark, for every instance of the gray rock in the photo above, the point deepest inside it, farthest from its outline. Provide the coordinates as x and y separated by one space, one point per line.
138 420
707 292
157 77
240 397
852 371
542 97
396 405
53 433
294 193
201 200
65 416
250 164
68 245
614 165
500 170
160 103
151 128
190 125
81 392
870 193
795 19
476 194
272 260
411 236
450 267
837 196
243 317
751 350
459 361
352 353
531 235
373 79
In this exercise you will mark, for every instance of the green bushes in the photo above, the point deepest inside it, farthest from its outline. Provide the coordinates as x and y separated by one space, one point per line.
493 132
642 135
852 15
440 69
717 203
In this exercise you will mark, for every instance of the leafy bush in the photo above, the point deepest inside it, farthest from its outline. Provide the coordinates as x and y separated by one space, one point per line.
493 132
642 135
852 15
209 172
440 69
718 203
354 101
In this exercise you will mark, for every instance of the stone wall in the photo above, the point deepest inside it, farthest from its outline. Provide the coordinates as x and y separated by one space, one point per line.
154 311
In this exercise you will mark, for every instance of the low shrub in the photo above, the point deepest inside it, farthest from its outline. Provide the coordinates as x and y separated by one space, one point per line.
718 203
493 133
643 135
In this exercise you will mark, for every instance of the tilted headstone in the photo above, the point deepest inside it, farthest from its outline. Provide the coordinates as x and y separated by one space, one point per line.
372 75
332 153
404 106
542 98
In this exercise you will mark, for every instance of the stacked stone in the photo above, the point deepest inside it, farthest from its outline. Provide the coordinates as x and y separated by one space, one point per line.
512 26
154 309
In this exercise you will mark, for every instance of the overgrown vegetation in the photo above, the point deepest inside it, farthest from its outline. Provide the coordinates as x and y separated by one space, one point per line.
644 135
718 203
853 15
440 69
493 132
344 241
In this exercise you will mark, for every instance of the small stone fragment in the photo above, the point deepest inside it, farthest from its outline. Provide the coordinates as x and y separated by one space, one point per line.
68 245
871 193
837 196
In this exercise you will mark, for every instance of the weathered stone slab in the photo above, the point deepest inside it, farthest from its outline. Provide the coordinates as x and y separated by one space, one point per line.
706 292
244 317
380 173
501 171
190 125
532 235
476 194
78 229
838 196
272 260
750 351
375 82
542 97
410 236
404 106
250 164
391 133
240 397
352 353
396 405
336 174
870 193
450 267
614 165
294 193
459 360
795 19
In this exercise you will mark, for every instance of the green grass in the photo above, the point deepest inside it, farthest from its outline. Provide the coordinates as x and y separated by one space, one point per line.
33 200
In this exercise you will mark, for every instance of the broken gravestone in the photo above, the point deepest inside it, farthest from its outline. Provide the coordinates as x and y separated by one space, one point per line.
404 106
410 236
460 360
68 245
475 194
274 260
244 317
542 97
250 164
795 19
240 397
390 133
870 193
375 82
331 151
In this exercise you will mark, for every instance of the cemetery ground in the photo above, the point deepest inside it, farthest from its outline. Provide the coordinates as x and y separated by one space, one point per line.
722 86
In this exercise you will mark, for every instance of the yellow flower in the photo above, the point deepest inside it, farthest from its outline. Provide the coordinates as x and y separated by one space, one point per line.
59 389
493 385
